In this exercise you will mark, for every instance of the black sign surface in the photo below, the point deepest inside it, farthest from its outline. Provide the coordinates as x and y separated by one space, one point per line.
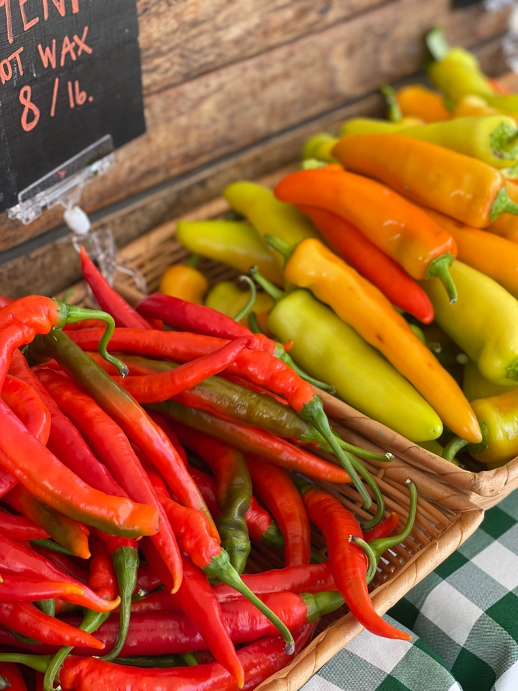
69 77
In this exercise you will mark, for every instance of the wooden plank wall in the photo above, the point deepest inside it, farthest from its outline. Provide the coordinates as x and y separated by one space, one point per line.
232 89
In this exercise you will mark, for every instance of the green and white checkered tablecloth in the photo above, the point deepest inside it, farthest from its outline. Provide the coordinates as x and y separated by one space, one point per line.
463 619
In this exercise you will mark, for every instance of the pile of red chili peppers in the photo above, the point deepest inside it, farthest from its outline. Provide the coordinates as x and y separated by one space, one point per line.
112 544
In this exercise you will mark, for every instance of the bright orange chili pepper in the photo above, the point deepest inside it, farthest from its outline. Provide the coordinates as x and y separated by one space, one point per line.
418 101
457 185
506 225
395 225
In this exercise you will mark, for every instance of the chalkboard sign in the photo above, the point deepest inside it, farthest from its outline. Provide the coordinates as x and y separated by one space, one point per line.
69 77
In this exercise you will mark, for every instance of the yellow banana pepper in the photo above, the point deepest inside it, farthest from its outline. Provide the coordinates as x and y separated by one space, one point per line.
228 298
476 386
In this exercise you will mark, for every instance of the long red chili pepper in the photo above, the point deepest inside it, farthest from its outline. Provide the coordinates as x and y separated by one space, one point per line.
61 562
65 441
371 262
109 300
28 406
126 412
383 529
7 481
112 447
19 589
198 602
20 528
259 661
348 561
253 440
276 490
64 530
12 674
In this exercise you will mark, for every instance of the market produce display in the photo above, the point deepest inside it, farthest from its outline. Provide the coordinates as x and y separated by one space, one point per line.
134 486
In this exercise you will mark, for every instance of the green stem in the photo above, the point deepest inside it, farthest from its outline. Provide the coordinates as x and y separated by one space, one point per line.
512 370
69 314
91 622
189 659
125 563
272 536
193 261
275 293
394 111
436 43
312 164
47 606
378 497
503 205
510 173
286 357
253 324
371 557
439 267
52 546
313 411
318 604
453 447
37 662
283 248
501 140
251 302
418 332
162 661
220 567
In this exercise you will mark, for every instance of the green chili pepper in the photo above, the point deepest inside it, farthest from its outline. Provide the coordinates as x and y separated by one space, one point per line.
162 661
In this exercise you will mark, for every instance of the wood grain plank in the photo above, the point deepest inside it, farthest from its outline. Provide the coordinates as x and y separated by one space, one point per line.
221 112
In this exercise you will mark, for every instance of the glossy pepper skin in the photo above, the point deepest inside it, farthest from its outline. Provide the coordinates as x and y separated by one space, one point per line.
361 305
454 184
484 322
185 281
20 528
373 264
477 386
267 214
11 673
363 378
28 406
392 223
506 225
235 243
498 416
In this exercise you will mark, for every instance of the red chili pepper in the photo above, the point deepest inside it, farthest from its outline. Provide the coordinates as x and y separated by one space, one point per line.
28 406
65 441
62 562
20 528
7 481
253 440
348 561
64 530
152 388
19 589
109 300
25 618
126 412
371 262
259 661
198 602
10 671
19 560
383 529
276 490
111 446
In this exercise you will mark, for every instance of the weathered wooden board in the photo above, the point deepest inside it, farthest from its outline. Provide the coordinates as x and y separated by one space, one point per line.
230 103
54 265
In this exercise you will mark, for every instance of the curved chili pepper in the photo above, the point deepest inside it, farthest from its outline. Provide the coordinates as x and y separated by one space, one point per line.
46 549
7 481
275 488
383 529
254 440
20 528
108 298
233 491
126 412
64 530
259 661
376 266
10 672
348 561
19 589
28 406
152 388
404 232
111 446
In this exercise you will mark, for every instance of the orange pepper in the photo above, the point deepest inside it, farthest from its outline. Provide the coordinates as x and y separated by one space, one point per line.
399 228
418 101
457 185
506 225
184 281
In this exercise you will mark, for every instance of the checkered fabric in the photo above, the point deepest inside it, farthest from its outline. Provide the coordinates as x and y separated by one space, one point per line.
463 619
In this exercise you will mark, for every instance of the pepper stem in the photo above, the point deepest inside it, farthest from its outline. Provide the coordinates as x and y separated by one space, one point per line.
286 357
37 662
503 204
189 659
251 302
372 484
125 563
502 138
282 247
52 546
253 324
369 553
318 604
439 267
312 164
275 293
394 111
382 544
70 314
319 147
272 536
510 173
47 606
220 567
436 43
193 261
453 447
313 411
